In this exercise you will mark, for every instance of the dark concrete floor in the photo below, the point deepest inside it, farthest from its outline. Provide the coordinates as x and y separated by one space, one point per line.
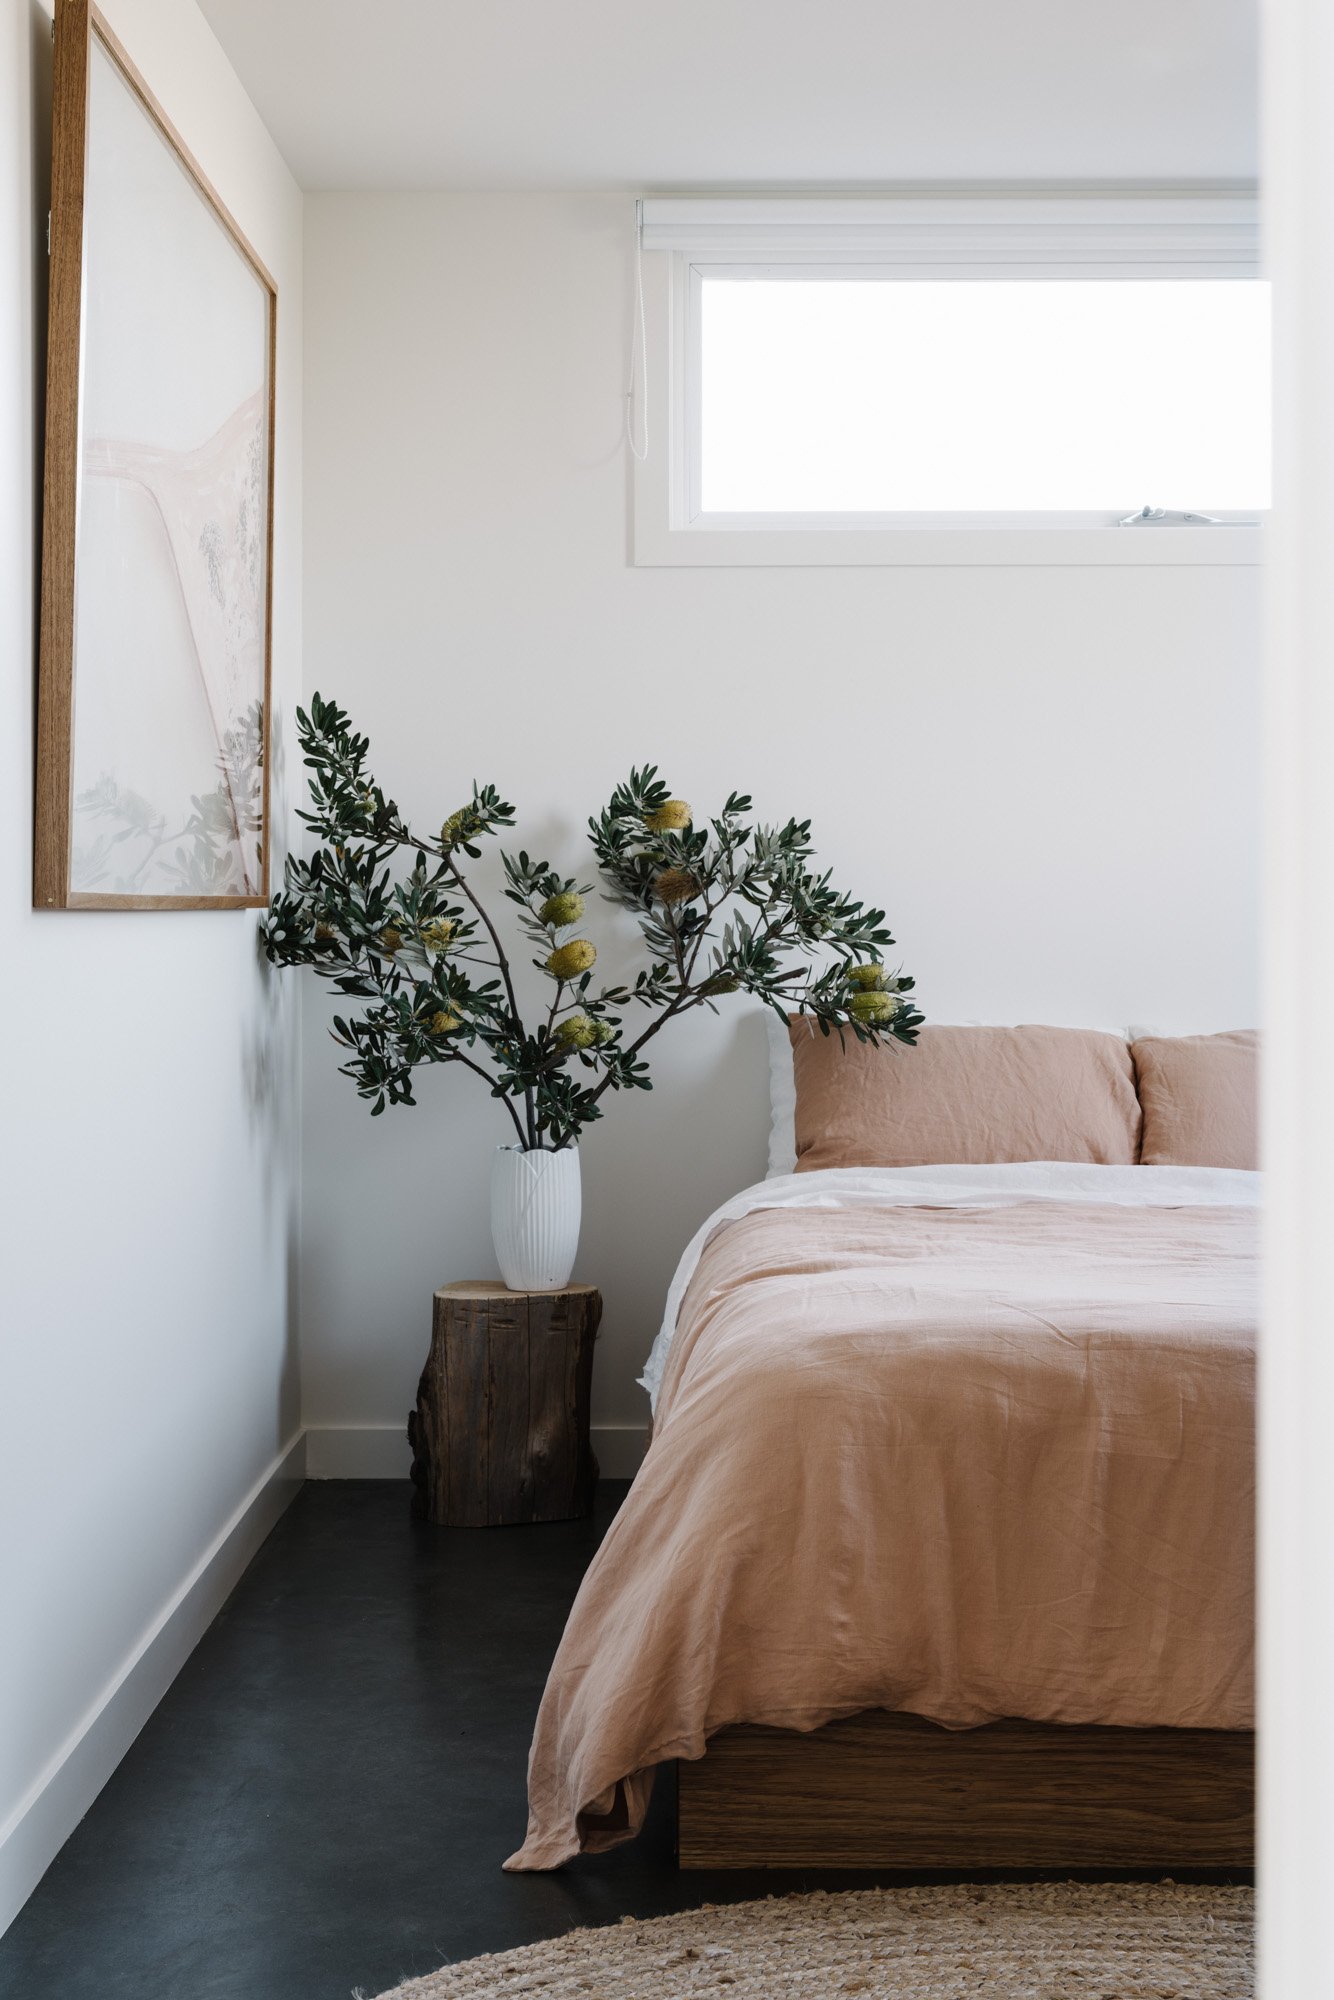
324 1798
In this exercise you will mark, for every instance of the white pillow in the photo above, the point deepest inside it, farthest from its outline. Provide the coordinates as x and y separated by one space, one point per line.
783 1089
782 1099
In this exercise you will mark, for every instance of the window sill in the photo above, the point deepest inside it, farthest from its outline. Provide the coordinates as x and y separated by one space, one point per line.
717 546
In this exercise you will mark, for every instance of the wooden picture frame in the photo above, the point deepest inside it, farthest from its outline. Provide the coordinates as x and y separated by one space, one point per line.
167 677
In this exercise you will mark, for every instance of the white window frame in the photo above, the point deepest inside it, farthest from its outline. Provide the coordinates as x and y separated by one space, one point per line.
1213 234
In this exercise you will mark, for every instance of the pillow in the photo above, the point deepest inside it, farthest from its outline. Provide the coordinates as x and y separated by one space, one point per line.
782 1099
783 1089
1199 1097
964 1096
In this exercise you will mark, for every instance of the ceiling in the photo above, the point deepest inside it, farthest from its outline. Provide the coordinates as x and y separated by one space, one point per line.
511 94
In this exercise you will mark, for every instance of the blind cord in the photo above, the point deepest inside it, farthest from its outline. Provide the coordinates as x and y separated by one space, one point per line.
638 351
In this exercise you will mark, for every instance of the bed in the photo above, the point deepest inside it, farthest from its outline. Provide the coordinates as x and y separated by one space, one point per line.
942 1554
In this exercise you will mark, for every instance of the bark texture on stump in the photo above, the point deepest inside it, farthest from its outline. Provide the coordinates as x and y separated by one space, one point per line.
500 1433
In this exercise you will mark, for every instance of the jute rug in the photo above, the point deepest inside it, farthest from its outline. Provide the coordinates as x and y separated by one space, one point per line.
1044 1941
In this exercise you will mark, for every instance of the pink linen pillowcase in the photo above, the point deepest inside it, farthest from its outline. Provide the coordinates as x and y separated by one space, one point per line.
964 1096
1200 1099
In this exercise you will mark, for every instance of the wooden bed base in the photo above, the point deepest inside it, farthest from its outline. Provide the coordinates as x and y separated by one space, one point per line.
893 1791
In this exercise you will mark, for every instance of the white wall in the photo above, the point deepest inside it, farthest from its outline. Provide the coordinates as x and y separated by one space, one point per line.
148 1374
1296 1400
1048 777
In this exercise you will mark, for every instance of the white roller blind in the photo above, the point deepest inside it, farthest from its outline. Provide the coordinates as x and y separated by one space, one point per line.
1209 234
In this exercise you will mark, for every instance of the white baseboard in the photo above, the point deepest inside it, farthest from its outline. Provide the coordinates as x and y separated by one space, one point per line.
59 1797
380 1451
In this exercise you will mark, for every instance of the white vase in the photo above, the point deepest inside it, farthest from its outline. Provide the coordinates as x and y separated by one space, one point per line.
535 1205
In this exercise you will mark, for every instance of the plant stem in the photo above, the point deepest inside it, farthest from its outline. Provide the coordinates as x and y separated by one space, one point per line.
682 1004
504 965
386 991
486 1077
406 838
669 921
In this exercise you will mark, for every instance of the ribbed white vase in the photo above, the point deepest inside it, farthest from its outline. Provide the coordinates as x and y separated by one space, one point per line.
535 1206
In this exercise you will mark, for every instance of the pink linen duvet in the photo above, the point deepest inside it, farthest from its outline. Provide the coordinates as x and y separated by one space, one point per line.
968 1442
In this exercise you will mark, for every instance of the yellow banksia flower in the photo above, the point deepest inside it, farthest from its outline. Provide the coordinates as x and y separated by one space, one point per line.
564 908
576 1031
866 978
675 885
569 960
672 817
460 827
873 1010
391 938
438 933
445 1021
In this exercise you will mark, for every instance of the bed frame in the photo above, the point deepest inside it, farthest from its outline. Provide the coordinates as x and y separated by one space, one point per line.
893 1791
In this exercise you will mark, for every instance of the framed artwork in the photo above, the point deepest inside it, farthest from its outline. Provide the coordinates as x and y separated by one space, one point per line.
156 605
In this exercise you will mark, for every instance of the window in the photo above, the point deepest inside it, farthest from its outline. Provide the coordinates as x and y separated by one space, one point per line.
938 381
929 395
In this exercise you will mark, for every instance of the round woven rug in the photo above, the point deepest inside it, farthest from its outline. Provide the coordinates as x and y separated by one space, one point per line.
1043 1941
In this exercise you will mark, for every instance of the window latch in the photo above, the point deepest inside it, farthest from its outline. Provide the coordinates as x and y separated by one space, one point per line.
1168 517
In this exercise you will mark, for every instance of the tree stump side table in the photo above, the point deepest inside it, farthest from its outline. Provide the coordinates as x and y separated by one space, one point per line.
500 1433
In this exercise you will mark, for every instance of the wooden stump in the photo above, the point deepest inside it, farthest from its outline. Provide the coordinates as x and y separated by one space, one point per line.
500 1433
